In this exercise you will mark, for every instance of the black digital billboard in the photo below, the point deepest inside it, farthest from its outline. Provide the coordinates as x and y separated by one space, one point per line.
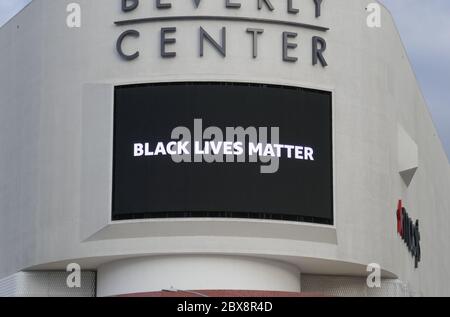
222 150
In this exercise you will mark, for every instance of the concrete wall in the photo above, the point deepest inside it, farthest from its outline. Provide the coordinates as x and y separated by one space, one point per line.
140 275
56 82
47 284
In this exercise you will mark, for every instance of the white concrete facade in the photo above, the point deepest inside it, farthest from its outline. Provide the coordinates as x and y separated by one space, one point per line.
56 99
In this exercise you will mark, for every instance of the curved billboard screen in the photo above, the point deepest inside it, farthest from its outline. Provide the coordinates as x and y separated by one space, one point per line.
222 150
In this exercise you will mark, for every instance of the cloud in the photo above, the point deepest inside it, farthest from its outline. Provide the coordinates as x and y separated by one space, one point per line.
425 30
9 8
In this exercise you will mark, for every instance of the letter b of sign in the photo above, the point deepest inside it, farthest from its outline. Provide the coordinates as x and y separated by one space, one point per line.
74 17
374 17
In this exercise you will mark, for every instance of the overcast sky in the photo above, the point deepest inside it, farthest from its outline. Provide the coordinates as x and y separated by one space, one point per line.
425 29
8 8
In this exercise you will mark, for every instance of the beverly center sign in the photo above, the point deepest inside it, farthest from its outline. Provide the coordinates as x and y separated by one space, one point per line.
128 47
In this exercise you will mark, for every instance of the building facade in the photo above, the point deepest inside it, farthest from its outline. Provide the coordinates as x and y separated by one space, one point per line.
365 181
